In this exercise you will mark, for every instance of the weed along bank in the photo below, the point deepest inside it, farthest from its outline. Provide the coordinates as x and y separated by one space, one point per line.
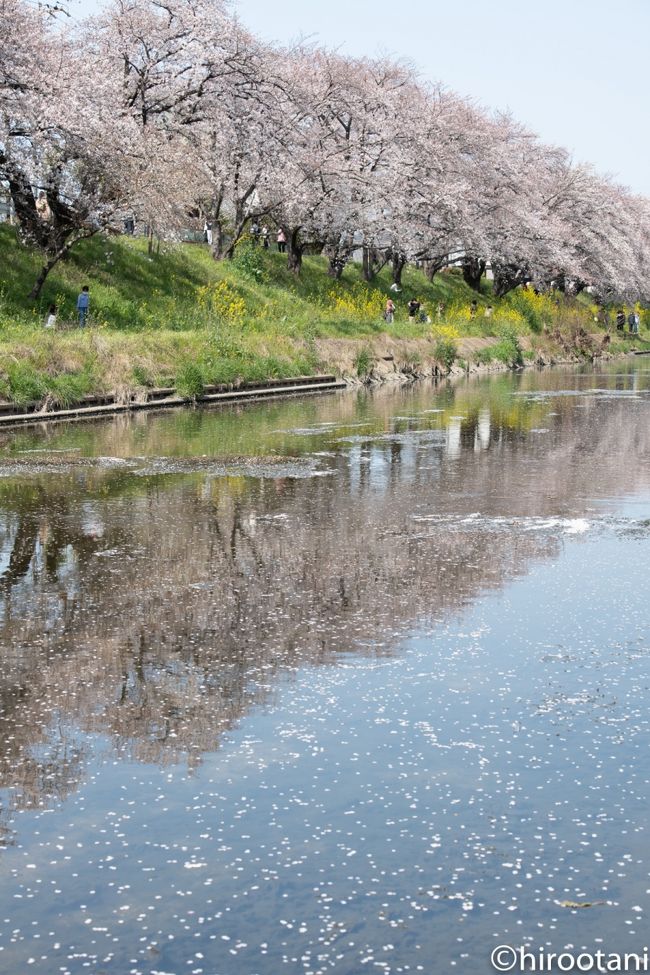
182 321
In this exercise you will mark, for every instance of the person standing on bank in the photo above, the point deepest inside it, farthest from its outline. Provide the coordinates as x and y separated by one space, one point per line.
389 312
50 321
83 304
282 241
413 307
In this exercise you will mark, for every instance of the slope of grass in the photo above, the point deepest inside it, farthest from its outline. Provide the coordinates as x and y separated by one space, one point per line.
177 316
182 287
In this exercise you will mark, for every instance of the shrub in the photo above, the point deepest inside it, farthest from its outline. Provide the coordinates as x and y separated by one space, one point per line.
356 303
249 259
445 351
507 349
362 362
449 332
483 357
536 309
140 376
67 389
189 380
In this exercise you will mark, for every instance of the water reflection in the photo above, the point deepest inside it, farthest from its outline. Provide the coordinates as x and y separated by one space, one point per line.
158 609
321 685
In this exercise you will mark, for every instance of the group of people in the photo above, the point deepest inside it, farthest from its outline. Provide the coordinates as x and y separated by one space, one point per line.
259 235
263 235
633 321
473 309
415 311
83 308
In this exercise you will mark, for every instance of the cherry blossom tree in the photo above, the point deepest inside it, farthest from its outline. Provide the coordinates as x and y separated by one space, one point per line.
242 144
166 108
161 62
434 186
54 139
336 168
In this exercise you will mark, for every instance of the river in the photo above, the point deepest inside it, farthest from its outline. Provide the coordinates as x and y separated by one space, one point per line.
355 683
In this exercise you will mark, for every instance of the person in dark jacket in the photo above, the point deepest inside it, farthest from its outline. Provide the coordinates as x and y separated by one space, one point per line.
413 307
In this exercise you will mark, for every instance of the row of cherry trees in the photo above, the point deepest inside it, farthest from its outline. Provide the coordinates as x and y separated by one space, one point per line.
164 108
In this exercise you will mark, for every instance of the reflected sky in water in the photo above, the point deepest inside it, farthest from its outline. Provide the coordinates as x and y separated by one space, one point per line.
338 684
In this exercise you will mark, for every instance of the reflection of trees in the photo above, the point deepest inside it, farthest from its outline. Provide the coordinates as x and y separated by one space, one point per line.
39 756
6 832
159 613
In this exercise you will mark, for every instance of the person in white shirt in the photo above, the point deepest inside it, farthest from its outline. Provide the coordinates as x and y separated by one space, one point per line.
50 321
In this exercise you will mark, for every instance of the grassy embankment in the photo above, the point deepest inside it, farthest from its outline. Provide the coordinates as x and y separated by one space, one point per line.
178 318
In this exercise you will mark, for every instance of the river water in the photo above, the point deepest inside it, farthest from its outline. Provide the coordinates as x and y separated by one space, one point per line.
356 683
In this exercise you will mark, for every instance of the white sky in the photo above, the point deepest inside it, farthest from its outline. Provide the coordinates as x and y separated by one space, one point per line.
574 71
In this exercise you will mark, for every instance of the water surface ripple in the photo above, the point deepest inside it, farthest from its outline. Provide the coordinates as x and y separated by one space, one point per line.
356 683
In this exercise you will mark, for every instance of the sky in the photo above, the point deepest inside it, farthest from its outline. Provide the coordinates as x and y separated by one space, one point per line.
573 71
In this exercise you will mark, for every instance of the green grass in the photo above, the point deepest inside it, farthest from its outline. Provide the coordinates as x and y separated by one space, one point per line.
182 288
179 318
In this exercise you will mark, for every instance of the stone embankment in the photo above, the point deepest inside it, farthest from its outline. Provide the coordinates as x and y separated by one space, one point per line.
91 407
392 360
385 360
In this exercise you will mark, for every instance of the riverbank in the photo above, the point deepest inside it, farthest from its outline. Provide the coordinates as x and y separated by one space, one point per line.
178 319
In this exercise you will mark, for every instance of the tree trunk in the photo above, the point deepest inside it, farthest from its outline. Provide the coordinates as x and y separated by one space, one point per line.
229 252
338 254
399 262
42 275
218 241
473 269
506 278
52 262
48 223
335 268
238 232
294 251
213 217
431 266
368 266
560 282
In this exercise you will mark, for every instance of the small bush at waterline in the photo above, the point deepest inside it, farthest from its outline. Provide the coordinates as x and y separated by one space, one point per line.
445 351
189 380
362 362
